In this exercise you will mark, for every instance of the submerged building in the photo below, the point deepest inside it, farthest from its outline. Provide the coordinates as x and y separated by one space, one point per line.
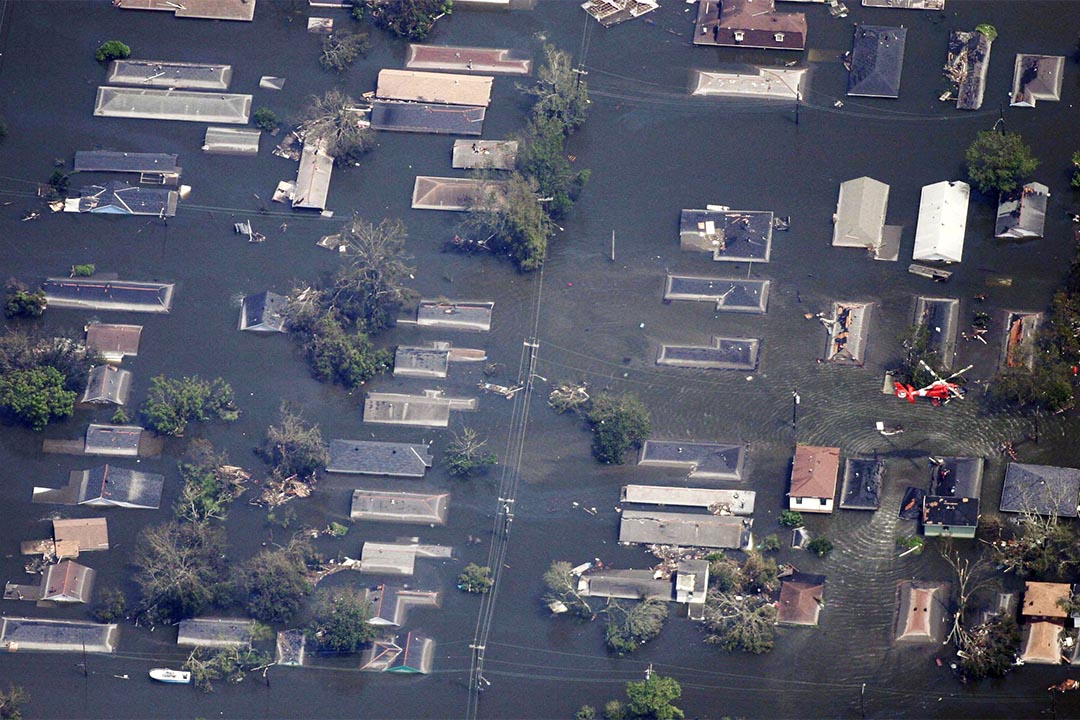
1037 77
814 473
877 61
942 223
701 460
732 236
749 23
1022 214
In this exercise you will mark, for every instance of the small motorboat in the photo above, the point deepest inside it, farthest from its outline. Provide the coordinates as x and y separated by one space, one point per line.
165 675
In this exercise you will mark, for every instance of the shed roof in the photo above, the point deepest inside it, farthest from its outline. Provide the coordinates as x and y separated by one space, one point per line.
704 460
1044 489
942 223
18 633
1022 214
860 213
119 440
1041 599
801 599
263 312
427 118
684 529
215 632
404 507
921 611
114 342
89 534
109 295
156 104
369 457
1042 643
68 582
125 162
814 471
107 384
1037 77
162 73
877 60
445 88
726 502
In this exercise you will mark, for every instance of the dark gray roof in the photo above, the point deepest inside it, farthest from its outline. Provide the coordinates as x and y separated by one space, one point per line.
107 384
718 461
628 585
368 457
940 316
125 162
417 654
956 477
737 235
684 529
119 198
422 361
724 354
111 485
109 294
1022 214
1045 489
950 512
112 440
215 632
427 118
877 60
264 312
18 633
863 478
729 294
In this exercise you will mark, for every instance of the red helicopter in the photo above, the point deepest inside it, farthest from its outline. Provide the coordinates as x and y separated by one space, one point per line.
940 391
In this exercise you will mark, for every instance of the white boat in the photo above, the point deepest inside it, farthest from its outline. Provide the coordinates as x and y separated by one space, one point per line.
165 675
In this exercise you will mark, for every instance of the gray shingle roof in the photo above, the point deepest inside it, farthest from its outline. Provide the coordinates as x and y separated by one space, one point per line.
367 457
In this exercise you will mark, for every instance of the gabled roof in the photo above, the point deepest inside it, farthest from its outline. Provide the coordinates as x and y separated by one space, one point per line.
749 23
860 213
723 502
1022 214
814 472
119 198
110 485
456 194
942 223
1041 599
313 178
18 633
488 154
107 384
1044 489
67 581
467 59
263 312
921 611
801 599
877 60
89 534
368 457
422 361
416 656
1042 643
160 73
159 104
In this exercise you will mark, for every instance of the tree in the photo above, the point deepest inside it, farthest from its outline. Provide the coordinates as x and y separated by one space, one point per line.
35 396
998 161
770 543
173 403
11 703
561 93
265 119
614 710
370 290
561 587
293 447
820 546
738 621
181 570
510 219
653 698
337 355
341 49
970 575
619 423
1075 178
410 19
630 628
341 621
111 606
86 270
20 302
274 582
466 454
336 122
210 484
542 157
992 648
791 519
112 50
230 664
475 579
585 712
918 357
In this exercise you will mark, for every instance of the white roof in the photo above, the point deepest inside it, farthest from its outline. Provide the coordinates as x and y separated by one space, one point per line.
860 213
942 221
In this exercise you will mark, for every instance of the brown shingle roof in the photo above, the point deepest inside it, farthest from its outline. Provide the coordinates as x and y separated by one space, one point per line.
1041 599
800 600
814 471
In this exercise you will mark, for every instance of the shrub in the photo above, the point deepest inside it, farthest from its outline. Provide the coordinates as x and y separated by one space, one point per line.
820 547
23 303
770 543
112 50
475 579
172 403
35 396
111 606
82 270
265 119
997 161
791 519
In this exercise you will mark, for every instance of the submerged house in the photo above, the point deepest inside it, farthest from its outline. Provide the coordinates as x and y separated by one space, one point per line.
718 502
455 315
107 486
942 223
801 599
613 12
17 633
422 56
215 632
312 179
765 83
701 460
86 534
160 104
1037 77
849 329
485 154
398 116
390 604
968 62
688 585
877 61
398 558
114 440
264 312
814 473
368 457
429 87
859 220
1043 489
153 168
749 23
67 582
167 74
951 506
412 656
863 481
729 235
725 353
430 409
1022 214
940 318
432 362
243 10
403 507
119 295
231 141
107 385
729 294
922 611
1018 343
650 527
114 342
119 198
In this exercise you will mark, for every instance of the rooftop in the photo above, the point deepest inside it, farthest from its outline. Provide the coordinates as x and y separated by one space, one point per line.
1042 643
160 73
126 162
107 486
232 141
801 599
312 179
1037 77
1043 599
263 312
368 457
749 23
206 9
467 59
391 603
404 507
114 342
956 476
684 529
733 236
119 198
613 12
725 353
422 361
922 611
488 154
939 234
430 409
456 194
703 460
67 582
940 317
1022 214
723 502
860 213
17 633
863 481
1043 489
729 294
427 118
454 315
156 104
215 632
416 656
291 646
118 440
398 558
107 384
877 60
428 87
848 333
90 534
626 585
814 471
950 512
766 83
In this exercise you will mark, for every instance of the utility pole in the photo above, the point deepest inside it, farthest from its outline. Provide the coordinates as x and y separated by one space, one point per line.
798 101
862 701
795 400
613 245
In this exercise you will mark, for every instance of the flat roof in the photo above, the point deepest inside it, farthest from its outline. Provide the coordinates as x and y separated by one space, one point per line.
369 457
156 104
763 82
455 315
428 87
846 344
203 9
313 179
486 154
684 529
467 59
19 633
726 502
403 507
863 480
456 194
814 471
215 632
427 118
730 235
89 293
232 141
703 460
729 294
161 73
877 61
724 354
114 342
1044 489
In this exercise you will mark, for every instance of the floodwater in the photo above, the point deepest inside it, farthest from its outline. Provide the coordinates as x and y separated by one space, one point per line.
652 150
